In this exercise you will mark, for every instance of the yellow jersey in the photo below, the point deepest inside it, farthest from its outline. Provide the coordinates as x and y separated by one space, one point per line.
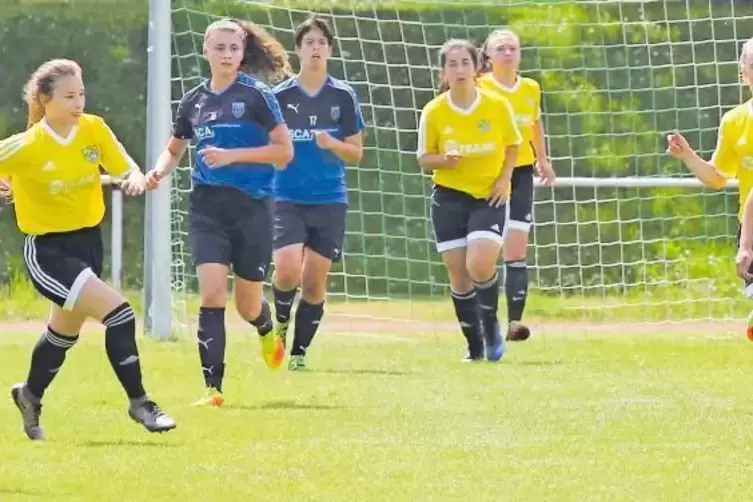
733 156
480 134
56 180
525 100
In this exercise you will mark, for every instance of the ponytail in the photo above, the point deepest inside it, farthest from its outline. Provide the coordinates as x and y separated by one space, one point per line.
263 55
41 85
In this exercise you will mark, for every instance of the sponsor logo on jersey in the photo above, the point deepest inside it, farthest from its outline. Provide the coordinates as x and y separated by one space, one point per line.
91 153
305 134
203 132
469 148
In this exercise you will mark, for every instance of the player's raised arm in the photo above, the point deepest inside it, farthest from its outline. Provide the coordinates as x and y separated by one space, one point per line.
116 161
706 171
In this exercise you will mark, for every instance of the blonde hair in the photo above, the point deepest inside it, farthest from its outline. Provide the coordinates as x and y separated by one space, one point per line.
42 83
486 64
263 56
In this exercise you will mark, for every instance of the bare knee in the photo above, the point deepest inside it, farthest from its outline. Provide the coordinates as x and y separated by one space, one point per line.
212 284
288 266
248 298
313 289
482 259
516 245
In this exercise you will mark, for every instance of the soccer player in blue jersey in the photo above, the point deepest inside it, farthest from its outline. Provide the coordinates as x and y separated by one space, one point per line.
325 122
241 138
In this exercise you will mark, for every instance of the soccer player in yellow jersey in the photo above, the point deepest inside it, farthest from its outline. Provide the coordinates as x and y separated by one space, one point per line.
732 158
500 56
468 139
54 172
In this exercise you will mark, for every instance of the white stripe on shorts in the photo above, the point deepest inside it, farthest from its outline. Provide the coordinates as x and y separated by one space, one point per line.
44 280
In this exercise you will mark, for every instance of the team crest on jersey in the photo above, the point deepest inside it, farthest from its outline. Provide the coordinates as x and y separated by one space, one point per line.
483 125
334 112
91 153
529 101
238 109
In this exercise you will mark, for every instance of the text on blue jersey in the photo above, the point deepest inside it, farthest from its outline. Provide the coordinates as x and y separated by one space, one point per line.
315 175
241 116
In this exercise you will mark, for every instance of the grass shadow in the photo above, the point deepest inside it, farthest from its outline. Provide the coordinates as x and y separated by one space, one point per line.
109 444
284 405
334 371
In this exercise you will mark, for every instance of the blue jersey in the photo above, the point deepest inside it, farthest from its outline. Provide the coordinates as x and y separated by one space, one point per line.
316 176
239 117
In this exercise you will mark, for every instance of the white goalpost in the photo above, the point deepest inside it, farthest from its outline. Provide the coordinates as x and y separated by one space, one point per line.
626 236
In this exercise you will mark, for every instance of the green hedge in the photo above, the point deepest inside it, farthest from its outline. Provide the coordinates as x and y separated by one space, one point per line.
616 77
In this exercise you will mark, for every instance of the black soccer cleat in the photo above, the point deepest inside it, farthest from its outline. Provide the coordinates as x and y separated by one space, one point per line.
30 411
151 417
517 332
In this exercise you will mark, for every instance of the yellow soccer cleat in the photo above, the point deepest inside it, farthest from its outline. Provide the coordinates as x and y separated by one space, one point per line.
272 349
213 397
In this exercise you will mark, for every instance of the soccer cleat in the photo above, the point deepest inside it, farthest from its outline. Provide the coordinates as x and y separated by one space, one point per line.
297 363
496 346
213 397
281 328
272 349
30 411
472 358
151 417
517 332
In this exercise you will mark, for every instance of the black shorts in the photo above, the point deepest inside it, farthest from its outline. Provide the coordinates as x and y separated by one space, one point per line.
230 227
458 218
521 198
748 284
319 227
59 264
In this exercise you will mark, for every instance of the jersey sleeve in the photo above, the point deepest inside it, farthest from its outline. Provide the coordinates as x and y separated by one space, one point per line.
182 128
510 132
725 158
113 157
10 154
266 108
428 139
352 118
537 101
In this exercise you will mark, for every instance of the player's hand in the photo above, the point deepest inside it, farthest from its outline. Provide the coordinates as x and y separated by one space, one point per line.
153 177
133 184
500 192
743 262
6 190
546 173
323 139
216 157
677 146
452 157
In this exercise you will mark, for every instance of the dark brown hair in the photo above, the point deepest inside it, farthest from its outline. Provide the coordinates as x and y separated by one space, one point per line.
313 23
446 48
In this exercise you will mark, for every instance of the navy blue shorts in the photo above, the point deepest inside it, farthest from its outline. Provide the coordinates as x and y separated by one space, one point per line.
458 217
59 264
230 227
319 227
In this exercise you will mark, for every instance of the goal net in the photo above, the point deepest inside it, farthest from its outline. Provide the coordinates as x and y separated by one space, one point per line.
625 237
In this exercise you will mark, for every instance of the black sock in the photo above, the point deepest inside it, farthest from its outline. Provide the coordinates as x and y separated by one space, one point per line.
263 323
307 318
466 310
120 344
488 300
212 340
46 360
516 289
283 303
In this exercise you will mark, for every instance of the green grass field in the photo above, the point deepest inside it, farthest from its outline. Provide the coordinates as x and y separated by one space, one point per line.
665 416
